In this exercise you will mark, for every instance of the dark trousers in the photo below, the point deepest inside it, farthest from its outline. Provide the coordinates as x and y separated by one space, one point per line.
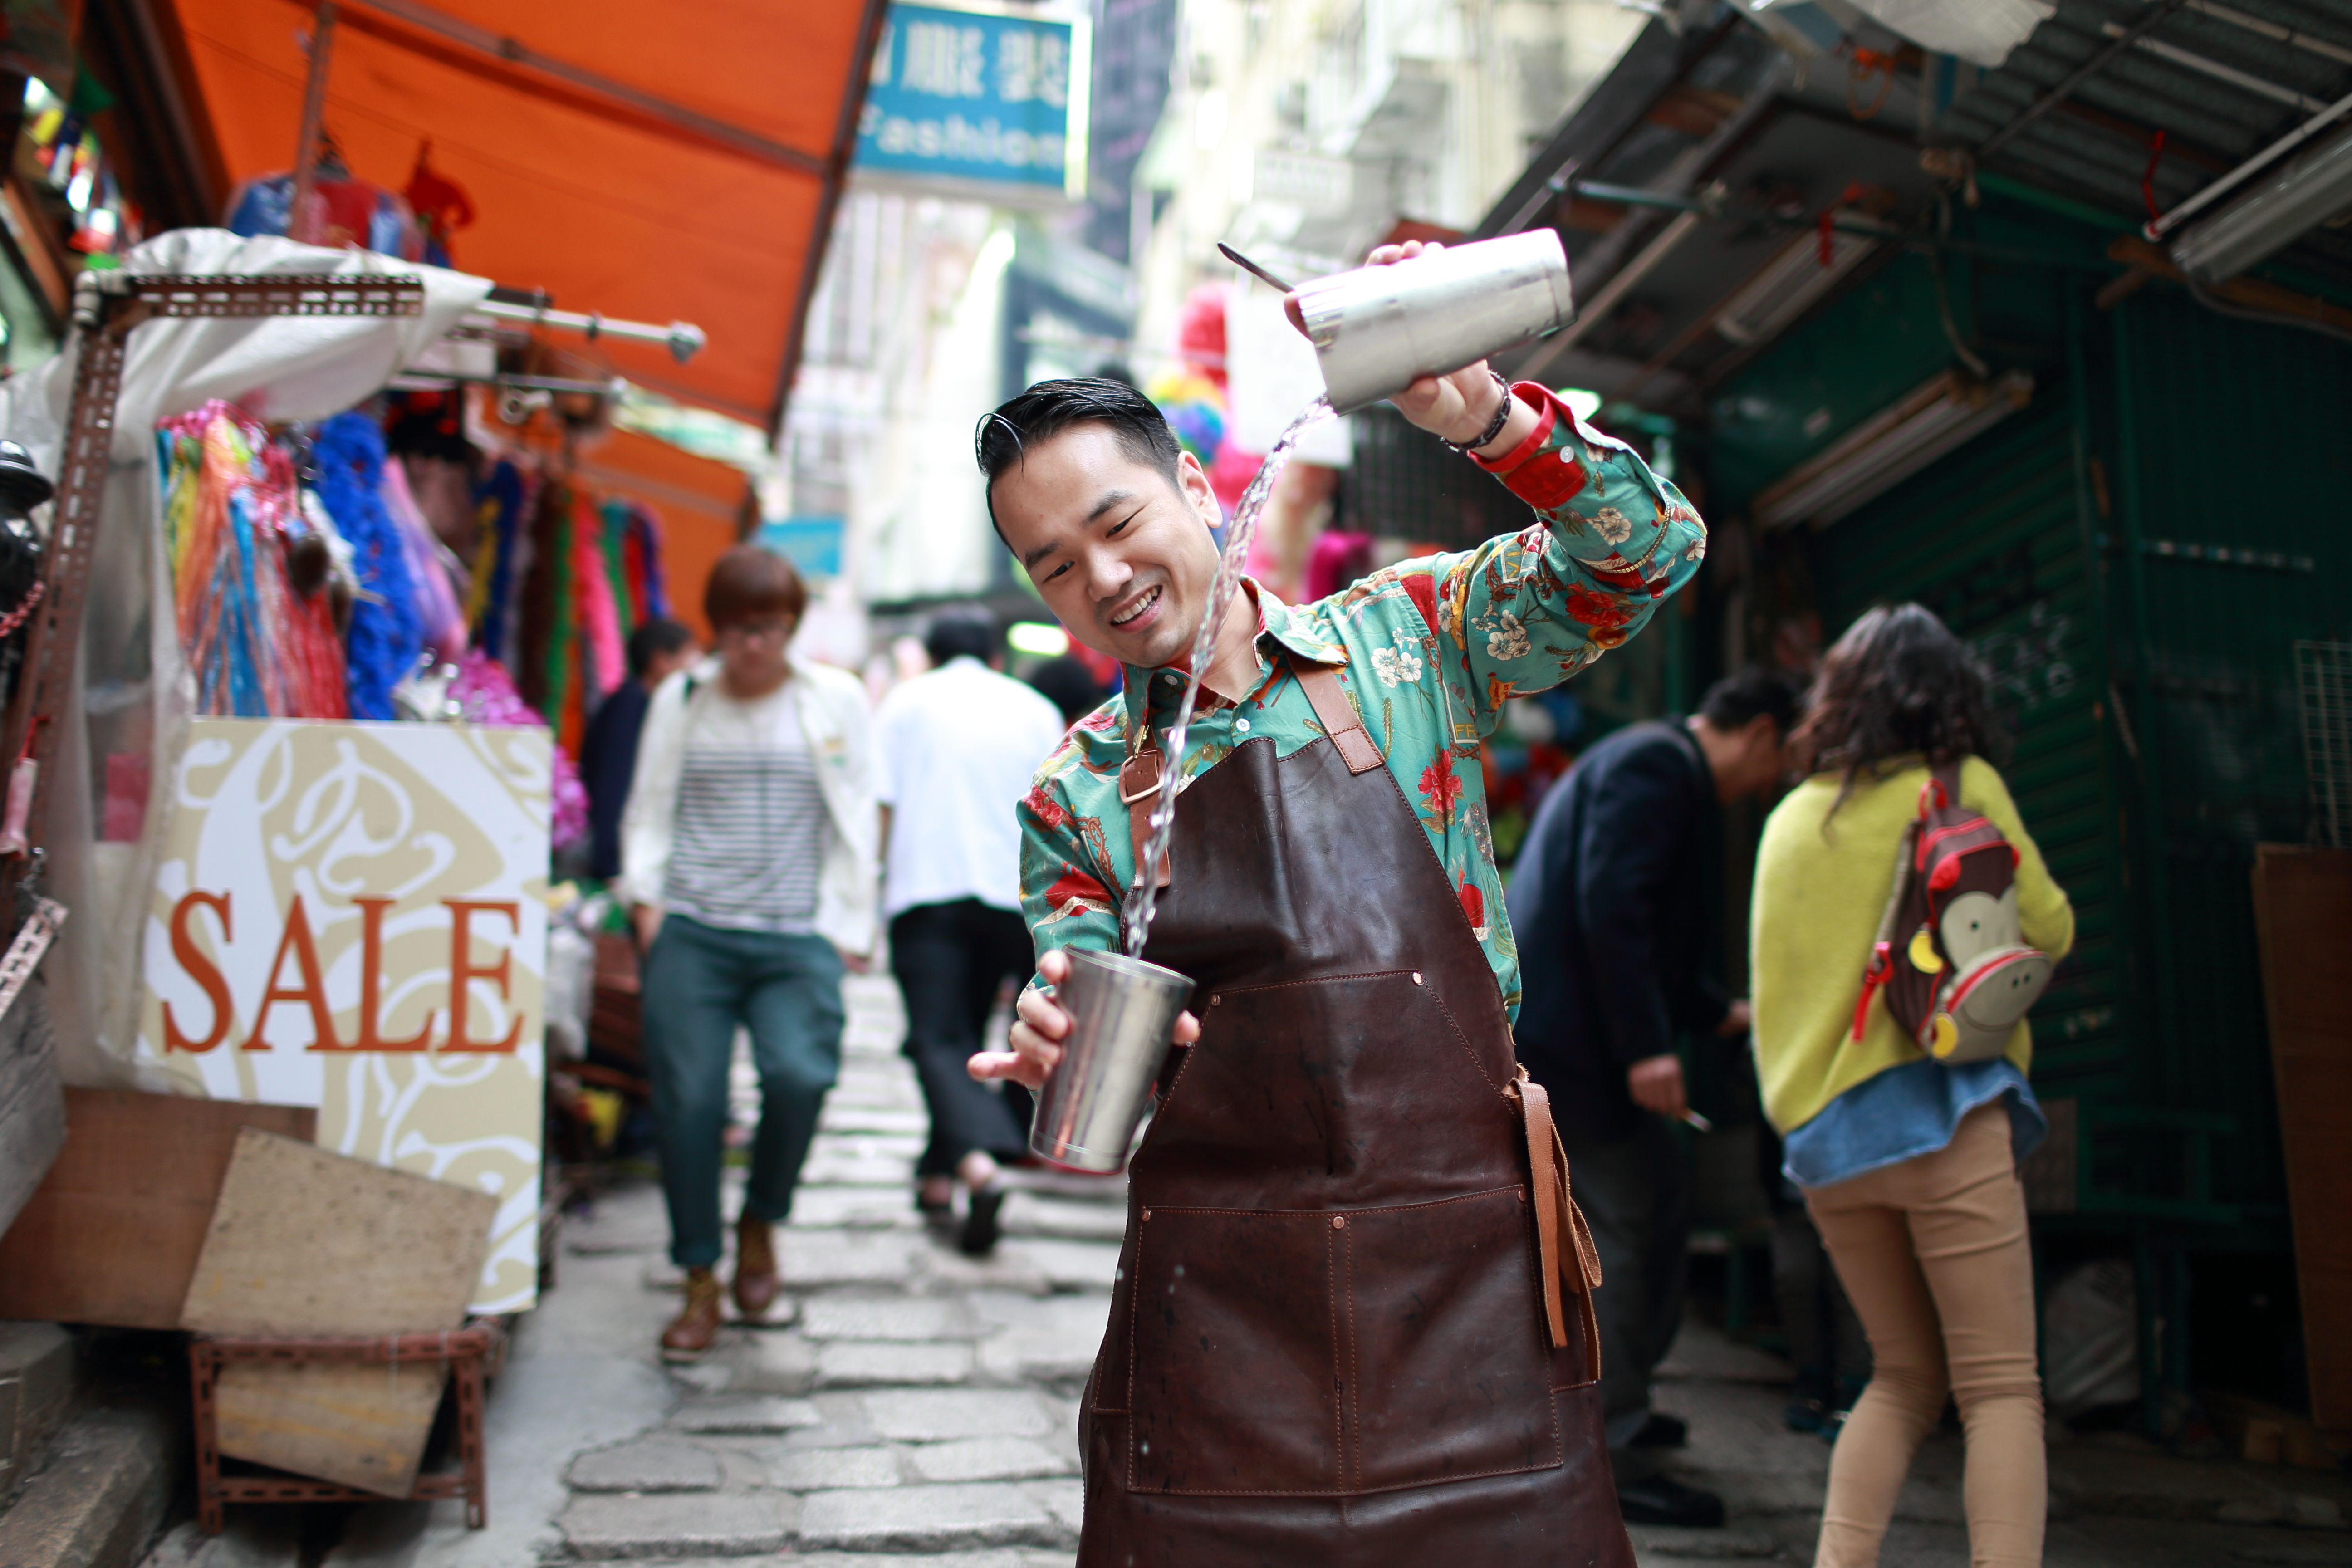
1825 1338
701 984
950 959
1635 1194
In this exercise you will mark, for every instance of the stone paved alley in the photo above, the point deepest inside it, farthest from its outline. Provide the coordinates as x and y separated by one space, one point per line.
916 1409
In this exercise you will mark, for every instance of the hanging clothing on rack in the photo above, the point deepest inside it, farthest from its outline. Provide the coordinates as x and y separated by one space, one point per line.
385 635
257 645
603 662
500 504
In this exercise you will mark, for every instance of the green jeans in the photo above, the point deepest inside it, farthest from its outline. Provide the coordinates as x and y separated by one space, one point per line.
701 983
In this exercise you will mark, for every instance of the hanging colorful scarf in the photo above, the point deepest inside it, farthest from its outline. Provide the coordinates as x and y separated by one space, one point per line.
253 647
603 662
498 508
561 658
649 581
439 620
615 517
385 638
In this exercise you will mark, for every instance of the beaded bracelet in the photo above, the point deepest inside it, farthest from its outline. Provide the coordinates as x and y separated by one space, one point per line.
1495 425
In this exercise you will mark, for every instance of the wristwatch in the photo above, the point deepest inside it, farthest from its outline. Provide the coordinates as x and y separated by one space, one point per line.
1495 425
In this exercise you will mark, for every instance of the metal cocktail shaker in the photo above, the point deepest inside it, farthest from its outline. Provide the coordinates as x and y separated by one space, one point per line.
1378 329
1121 1010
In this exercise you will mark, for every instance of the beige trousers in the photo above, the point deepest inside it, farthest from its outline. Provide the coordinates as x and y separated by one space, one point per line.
1933 1253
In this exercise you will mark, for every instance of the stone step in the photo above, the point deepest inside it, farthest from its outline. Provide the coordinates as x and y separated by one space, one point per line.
859 1363
925 1319
101 1494
1073 1219
938 1416
1656 1546
659 1464
36 1388
898 1520
907 1121
745 1414
599 1527
1000 1557
941 1518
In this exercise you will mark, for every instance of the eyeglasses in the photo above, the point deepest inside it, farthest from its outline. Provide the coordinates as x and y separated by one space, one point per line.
778 629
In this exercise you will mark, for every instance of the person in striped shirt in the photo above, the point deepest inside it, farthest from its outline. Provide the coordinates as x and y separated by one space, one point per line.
747 857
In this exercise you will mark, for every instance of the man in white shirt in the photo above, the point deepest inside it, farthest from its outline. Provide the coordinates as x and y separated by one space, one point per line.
956 749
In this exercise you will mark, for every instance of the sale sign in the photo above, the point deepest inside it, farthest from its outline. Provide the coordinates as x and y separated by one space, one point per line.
350 917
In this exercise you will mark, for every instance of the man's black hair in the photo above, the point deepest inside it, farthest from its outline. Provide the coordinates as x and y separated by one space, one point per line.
650 641
1050 407
1737 701
961 631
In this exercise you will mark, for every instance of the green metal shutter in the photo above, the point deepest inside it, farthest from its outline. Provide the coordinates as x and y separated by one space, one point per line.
2234 465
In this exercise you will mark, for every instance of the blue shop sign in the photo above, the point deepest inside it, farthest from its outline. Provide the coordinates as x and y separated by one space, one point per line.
810 543
978 103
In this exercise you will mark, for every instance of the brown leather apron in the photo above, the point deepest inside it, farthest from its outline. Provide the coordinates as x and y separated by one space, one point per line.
1341 1335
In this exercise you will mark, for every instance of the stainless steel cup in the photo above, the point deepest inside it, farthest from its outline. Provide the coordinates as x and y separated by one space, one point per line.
1121 1010
1380 328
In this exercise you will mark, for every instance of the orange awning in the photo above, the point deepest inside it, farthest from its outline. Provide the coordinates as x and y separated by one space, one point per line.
701 503
640 162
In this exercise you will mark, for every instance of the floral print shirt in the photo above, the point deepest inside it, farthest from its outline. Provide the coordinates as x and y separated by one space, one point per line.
1431 649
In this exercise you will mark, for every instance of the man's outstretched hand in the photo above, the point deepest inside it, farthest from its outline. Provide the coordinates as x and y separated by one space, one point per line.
1656 1084
1455 406
1041 1026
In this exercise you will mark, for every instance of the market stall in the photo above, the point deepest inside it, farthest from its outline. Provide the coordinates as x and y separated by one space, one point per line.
279 751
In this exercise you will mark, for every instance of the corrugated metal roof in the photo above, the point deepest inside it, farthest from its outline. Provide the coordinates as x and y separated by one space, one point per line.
2097 144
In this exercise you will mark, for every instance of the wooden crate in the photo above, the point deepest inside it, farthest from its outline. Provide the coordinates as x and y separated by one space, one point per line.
112 1234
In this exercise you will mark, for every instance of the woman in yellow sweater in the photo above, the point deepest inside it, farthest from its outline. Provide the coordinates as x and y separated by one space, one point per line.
1908 1165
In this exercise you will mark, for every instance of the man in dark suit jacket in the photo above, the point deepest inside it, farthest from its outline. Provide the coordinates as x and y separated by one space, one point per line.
1609 901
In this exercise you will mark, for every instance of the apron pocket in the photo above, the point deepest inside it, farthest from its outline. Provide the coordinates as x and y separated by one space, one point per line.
1455 1367
1234 1384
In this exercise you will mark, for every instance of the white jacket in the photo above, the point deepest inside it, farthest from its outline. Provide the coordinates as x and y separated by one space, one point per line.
829 705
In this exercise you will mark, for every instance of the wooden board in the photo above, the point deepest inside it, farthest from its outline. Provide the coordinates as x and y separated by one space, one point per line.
2303 915
306 1242
31 1107
111 1234
361 1424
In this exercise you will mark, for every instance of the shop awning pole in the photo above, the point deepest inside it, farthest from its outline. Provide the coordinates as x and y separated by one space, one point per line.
683 338
299 225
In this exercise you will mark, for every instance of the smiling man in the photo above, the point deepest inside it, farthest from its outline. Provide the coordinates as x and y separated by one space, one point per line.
1352 1325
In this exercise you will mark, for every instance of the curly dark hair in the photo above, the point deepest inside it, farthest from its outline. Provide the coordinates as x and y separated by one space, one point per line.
1897 685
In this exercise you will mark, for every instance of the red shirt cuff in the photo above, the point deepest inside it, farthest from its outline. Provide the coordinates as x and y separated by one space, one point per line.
1538 396
1539 484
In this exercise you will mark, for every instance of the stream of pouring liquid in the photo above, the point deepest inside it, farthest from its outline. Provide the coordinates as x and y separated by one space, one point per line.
1142 894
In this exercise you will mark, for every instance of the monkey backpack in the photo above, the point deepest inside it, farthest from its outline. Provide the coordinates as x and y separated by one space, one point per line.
1949 957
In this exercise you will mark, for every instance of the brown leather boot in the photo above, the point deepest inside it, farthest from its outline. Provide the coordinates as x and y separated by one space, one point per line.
755 1268
697 1324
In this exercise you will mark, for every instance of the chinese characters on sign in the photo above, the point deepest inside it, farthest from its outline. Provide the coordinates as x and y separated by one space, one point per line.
349 917
977 103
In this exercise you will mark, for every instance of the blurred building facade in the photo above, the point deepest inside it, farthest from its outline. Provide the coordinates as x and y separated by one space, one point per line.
932 308
1313 127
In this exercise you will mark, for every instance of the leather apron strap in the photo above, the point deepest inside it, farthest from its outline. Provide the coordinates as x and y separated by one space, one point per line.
1558 1221
1339 717
1139 776
1139 791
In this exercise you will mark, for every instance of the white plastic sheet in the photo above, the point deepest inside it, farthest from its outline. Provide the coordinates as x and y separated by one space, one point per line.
131 687
1979 31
